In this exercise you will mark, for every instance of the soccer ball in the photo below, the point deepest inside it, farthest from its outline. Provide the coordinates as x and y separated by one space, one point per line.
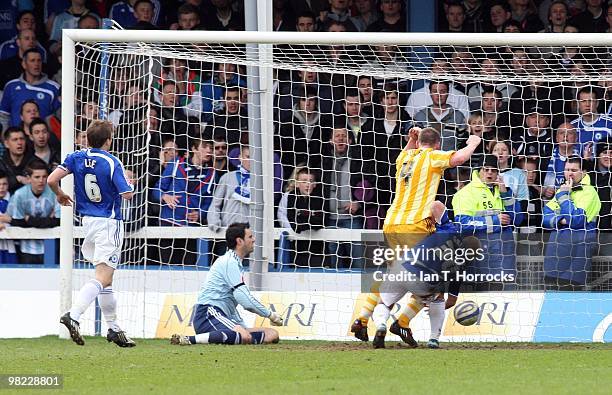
466 313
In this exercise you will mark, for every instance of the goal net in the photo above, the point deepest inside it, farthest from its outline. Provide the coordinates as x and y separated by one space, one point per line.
299 134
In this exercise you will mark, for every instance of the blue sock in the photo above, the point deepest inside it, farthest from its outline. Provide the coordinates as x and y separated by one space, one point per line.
257 337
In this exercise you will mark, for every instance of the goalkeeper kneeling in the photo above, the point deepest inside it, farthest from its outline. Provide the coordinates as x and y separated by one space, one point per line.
216 319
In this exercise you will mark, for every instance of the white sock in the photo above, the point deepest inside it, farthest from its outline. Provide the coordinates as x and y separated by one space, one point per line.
436 318
108 305
202 338
87 295
380 316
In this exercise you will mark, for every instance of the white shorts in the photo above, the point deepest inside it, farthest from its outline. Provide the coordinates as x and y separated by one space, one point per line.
391 291
103 240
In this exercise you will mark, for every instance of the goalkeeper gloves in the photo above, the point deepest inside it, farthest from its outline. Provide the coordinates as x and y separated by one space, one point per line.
275 318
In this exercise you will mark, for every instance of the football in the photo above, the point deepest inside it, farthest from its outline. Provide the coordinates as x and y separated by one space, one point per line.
466 313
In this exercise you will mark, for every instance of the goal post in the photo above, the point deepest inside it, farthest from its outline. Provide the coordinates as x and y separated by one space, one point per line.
156 288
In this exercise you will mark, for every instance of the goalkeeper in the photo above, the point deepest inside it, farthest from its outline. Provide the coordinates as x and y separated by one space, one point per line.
216 319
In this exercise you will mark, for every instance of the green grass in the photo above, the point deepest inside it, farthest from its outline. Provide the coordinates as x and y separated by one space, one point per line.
155 366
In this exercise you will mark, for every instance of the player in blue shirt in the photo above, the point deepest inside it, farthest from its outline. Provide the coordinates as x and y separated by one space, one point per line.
99 185
216 319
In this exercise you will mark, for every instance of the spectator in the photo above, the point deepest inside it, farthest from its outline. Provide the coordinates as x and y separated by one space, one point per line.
499 13
486 208
558 14
572 218
393 17
387 59
591 20
526 13
186 187
364 84
15 158
421 98
232 197
66 20
290 92
355 122
566 146
281 213
496 120
187 83
232 120
80 138
174 120
133 211
383 145
536 202
306 22
221 163
474 16
34 206
125 12
13 47
449 122
476 126
33 84
455 17
8 253
513 177
366 14
188 18
535 139
603 180
339 12
575 7
12 66
590 125
341 176
185 193
490 67
222 17
282 16
224 74
29 111
305 212
300 140
40 139
11 12
157 166
144 12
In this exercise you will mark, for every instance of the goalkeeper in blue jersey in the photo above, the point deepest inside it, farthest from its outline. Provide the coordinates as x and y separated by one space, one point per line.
216 320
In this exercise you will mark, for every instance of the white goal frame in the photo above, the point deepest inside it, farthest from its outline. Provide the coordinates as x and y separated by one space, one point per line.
262 40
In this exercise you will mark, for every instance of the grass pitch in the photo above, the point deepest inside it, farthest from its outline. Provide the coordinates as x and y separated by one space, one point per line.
154 366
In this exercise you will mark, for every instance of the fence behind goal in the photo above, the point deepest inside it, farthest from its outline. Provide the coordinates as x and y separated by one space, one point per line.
298 135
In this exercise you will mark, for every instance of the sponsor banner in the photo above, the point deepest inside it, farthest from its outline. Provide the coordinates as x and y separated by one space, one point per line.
575 317
305 315
506 316
176 315
503 317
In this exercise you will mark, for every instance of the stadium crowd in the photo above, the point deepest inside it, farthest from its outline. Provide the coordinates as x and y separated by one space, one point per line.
336 136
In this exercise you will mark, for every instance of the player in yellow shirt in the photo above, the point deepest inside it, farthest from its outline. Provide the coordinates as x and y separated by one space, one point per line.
419 168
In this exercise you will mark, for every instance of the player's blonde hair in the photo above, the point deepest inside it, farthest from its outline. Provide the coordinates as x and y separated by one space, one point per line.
429 137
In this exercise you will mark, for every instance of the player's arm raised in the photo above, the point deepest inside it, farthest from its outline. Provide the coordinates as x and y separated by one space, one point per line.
53 181
461 156
413 138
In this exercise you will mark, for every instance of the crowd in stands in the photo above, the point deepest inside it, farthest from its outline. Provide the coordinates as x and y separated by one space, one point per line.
336 136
